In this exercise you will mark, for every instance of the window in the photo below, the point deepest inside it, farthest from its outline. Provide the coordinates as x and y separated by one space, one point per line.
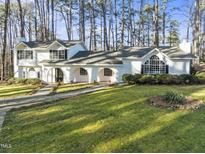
83 71
25 54
107 72
58 54
154 66
31 69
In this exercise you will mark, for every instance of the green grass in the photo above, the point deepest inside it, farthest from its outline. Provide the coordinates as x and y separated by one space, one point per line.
15 90
116 119
70 87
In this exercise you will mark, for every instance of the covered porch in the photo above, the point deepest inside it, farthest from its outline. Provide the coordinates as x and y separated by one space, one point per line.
79 74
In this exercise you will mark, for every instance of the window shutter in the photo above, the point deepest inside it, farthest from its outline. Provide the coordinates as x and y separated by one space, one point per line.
142 69
50 53
167 69
18 57
66 54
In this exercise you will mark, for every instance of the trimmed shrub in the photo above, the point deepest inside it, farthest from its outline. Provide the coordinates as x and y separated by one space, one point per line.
20 81
137 78
174 97
187 78
162 79
148 79
128 78
11 81
33 81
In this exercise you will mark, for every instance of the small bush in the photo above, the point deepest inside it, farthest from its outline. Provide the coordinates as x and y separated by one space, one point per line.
20 81
187 78
200 76
174 98
33 81
11 81
128 78
148 79
137 78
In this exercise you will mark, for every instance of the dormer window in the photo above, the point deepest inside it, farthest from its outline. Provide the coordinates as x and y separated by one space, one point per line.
24 54
58 54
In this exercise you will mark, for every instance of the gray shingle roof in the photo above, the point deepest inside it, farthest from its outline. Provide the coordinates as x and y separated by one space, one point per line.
139 52
101 57
89 57
45 44
107 57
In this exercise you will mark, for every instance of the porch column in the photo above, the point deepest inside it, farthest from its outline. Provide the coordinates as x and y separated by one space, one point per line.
66 74
92 74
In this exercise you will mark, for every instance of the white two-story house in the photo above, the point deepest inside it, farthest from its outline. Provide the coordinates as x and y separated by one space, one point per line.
70 61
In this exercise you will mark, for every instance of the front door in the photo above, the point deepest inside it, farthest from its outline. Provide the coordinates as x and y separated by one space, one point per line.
58 75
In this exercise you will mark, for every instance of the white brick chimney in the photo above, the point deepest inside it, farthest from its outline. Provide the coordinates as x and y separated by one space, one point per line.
185 46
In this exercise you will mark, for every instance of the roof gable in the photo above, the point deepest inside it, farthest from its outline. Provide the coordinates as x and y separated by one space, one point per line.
21 43
153 50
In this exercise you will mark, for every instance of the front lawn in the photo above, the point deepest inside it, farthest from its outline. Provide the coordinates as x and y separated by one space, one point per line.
15 90
116 119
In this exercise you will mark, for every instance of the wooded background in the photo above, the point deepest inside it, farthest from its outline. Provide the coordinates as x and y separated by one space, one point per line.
102 24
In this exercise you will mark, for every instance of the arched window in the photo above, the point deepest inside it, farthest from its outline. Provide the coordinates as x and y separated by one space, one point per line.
31 69
107 72
154 66
83 71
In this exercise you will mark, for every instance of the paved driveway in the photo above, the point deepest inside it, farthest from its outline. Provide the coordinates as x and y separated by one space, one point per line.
8 104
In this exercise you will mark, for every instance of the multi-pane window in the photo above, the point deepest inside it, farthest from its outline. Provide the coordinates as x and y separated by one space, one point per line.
154 66
107 72
25 54
83 71
58 54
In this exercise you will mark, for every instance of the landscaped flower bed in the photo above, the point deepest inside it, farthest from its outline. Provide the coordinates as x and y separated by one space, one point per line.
173 100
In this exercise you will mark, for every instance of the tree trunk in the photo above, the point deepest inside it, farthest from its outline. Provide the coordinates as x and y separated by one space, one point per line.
106 46
7 7
81 20
156 23
123 24
94 27
116 27
52 21
22 32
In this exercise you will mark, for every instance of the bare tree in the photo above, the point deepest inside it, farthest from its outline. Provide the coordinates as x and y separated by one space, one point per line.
6 18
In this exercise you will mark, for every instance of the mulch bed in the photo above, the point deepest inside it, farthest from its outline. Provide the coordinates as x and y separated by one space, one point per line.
189 103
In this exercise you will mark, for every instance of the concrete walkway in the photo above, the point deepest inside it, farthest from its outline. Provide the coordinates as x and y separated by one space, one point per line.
8 104
45 90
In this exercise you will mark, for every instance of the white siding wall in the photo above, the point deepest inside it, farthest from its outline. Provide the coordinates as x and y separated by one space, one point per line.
132 67
17 63
179 67
42 55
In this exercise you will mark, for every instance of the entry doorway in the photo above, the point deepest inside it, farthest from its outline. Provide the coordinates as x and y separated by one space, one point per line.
58 75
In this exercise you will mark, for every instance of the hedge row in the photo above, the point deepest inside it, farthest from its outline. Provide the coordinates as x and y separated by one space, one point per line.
33 81
163 79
